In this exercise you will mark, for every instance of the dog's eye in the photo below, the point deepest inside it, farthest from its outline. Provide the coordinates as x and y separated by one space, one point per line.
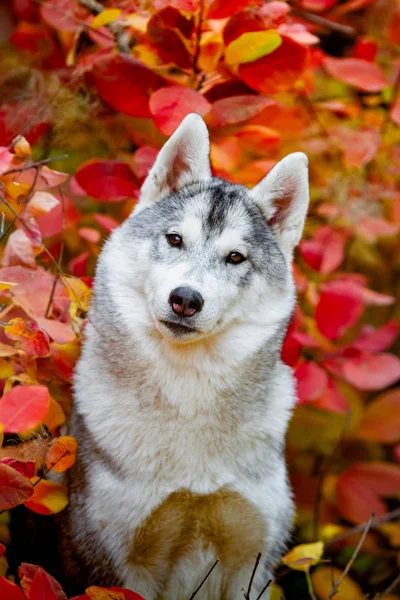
174 240
235 258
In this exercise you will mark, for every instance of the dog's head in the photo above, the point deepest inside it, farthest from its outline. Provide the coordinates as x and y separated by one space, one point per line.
200 255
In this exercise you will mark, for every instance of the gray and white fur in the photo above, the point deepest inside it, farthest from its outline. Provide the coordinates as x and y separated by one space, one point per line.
181 398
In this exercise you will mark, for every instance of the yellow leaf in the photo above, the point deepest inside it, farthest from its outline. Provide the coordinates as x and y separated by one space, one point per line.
304 556
105 17
276 592
22 148
17 191
322 582
78 292
6 369
252 45
6 285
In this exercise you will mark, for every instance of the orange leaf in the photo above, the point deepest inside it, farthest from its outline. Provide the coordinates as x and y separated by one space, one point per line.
24 407
48 497
322 579
381 421
33 340
62 454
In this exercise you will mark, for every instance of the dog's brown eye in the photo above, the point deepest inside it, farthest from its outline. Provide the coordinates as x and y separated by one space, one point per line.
174 239
235 258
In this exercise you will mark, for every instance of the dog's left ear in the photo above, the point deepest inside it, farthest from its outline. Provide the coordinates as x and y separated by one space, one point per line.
183 159
283 197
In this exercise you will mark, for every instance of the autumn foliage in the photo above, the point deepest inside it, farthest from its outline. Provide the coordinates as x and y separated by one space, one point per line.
90 91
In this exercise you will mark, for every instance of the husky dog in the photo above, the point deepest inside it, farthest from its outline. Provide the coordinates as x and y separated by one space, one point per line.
181 398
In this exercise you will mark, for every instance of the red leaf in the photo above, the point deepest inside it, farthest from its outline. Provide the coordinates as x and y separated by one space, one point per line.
9 590
125 84
239 108
39 585
278 71
359 146
143 160
381 477
106 222
220 9
6 159
381 420
311 381
60 15
395 109
27 469
19 250
377 340
372 371
318 5
24 407
365 49
62 333
361 74
78 265
61 217
325 252
107 180
2 550
167 30
355 501
332 399
89 234
14 488
338 309
169 105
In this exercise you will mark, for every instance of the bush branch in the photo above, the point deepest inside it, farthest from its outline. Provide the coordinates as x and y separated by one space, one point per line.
204 580
338 581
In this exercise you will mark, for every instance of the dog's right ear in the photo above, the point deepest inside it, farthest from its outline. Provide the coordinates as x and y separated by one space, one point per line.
184 159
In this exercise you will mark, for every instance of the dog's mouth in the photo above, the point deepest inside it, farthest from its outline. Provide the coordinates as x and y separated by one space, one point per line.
178 328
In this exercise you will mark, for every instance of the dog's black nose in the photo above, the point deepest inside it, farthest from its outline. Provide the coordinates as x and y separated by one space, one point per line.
185 302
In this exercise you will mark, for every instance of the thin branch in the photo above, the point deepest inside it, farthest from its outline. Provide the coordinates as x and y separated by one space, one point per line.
247 594
389 516
338 581
323 22
57 275
204 580
38 163
116 28
264 589
390 588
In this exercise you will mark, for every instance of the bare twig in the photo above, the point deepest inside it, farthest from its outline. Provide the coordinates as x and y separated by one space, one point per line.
116 28
323 22
38 163
389 516
247 594
204 580
264 589
391 588
57 275
338 581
